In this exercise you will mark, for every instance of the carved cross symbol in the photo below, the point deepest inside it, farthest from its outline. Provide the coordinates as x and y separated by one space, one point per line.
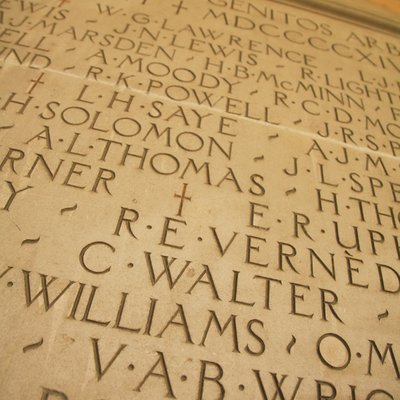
183 197
35 83
179 7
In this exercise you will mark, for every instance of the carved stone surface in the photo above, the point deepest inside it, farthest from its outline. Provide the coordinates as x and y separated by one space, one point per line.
199 200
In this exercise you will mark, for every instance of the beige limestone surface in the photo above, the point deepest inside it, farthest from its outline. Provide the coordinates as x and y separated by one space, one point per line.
199 200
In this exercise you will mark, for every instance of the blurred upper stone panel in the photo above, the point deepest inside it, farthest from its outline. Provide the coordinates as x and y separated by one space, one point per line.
381 14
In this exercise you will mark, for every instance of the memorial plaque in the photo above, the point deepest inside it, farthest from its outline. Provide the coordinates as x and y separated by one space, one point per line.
199 200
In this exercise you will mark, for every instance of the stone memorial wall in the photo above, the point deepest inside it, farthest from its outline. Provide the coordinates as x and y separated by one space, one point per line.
198 200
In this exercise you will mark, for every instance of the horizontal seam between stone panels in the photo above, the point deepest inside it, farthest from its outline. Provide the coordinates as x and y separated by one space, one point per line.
282 128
